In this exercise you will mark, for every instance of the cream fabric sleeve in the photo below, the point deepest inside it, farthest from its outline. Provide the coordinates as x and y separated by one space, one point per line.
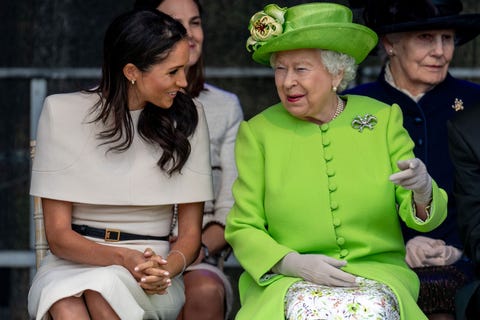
71 165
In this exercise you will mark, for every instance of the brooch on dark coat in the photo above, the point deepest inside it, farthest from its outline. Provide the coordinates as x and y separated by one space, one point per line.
458 105
366 121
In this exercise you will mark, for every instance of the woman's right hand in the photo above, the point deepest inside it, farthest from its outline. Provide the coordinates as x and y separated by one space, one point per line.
316 268
414 176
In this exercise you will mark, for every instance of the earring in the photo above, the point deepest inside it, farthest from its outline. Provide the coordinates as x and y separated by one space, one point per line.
334 88
390 52
133 82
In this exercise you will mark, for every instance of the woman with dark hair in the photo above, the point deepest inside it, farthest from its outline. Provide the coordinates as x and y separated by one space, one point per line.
204 281
195 66
110 163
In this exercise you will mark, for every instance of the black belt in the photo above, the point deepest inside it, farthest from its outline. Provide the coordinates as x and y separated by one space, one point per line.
112 235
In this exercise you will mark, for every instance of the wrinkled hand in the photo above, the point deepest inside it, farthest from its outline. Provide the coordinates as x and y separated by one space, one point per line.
414 176
155 279
316 268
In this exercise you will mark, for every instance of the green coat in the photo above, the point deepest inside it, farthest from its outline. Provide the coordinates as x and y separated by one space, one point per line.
323 189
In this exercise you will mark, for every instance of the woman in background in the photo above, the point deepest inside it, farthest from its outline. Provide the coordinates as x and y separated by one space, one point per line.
204 280
419 39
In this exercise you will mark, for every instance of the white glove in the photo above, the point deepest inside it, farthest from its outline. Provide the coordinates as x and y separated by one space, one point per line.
316 268
414 176
423 251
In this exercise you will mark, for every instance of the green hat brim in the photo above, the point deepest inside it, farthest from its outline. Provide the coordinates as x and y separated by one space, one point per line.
352 39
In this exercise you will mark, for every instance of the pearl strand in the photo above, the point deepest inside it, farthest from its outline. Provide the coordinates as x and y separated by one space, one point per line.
339 109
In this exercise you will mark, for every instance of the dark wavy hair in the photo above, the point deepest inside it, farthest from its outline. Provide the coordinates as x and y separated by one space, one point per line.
143 38
195 75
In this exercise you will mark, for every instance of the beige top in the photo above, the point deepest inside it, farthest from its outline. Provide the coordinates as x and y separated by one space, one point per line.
70 165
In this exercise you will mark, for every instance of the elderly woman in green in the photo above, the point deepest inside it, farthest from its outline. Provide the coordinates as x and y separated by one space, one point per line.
324 180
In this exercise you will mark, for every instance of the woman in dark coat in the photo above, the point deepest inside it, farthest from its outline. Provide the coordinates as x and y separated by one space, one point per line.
419 39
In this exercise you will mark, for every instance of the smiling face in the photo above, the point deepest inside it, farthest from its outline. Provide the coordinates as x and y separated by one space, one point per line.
187 13
304 85
161 82
420 60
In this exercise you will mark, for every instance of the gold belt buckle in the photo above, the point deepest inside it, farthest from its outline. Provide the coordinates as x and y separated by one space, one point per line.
112 235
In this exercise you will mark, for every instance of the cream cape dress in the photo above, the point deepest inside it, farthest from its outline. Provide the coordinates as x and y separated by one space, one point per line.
126 191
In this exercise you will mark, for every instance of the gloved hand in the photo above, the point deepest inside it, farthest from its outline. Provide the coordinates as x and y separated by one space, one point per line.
423 252
414 176
316 268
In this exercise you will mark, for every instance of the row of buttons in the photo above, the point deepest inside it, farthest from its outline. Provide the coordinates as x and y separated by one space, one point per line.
326 142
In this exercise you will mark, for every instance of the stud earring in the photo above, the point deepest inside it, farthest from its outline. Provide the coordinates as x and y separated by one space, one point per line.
390 53
334 88
133 82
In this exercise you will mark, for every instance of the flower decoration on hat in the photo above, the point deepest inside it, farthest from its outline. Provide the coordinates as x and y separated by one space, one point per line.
265 25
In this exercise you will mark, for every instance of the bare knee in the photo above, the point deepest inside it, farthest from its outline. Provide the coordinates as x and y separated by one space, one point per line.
201 286
98 307
73 308
204 285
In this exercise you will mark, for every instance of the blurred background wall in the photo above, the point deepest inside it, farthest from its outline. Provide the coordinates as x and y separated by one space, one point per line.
55 46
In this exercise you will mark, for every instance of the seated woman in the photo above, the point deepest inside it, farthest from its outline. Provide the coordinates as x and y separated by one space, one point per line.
418 40
110 163
204 279
324 180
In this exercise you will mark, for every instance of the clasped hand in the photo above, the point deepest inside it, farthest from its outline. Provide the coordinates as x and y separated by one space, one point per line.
152 276
414 176
316 268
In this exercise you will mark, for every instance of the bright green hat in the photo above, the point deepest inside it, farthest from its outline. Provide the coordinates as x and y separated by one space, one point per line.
313 25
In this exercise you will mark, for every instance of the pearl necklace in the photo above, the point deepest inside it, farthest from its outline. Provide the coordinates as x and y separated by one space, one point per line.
340 107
